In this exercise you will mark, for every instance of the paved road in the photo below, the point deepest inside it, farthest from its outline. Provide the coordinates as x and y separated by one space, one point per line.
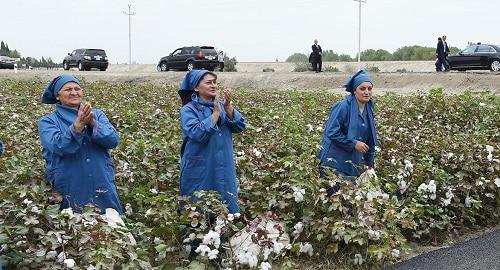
481 253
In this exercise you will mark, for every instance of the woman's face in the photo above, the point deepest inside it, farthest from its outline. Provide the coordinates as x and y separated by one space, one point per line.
207 88
70 95
363 93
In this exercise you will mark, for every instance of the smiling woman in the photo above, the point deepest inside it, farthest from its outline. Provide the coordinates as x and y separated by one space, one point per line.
76 140
208 125
350 137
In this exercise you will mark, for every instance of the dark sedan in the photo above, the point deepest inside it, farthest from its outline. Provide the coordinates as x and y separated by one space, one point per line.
7 62
476 56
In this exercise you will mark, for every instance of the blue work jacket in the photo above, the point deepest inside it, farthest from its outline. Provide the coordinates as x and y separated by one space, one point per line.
79 165
207 161
345 126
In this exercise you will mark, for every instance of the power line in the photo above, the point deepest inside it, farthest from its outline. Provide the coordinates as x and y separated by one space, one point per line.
130 14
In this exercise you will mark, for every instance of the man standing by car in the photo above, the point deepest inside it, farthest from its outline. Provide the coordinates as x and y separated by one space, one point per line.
316 57
220 58
446 52
440 55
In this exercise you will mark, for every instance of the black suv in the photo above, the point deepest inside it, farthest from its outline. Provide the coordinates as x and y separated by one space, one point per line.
476 56
85 59
189 58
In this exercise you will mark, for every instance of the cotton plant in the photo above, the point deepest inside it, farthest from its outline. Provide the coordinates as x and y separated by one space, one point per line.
298 194
428 190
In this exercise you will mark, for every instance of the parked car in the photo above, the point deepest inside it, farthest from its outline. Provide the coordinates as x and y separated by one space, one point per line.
189 58
85 59
7 62
476 56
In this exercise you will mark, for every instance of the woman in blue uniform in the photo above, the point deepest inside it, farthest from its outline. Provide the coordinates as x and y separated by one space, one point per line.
76 141
350 136
208 125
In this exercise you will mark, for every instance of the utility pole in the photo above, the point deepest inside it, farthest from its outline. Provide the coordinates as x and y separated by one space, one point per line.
130 14
359 32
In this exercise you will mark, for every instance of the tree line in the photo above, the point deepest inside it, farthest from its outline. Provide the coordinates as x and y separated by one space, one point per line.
406 53
27 61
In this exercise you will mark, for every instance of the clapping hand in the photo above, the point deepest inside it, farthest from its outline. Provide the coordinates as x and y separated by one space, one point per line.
228 107
85 117
217 109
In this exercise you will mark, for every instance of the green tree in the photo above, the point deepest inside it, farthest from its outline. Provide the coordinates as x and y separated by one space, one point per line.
230 64
376 55
330 56
297 58
345 58
414 53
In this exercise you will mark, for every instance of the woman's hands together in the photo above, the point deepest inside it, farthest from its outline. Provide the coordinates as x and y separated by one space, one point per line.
228 106
85 117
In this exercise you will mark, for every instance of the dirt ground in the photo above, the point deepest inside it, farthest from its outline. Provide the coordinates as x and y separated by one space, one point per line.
418 77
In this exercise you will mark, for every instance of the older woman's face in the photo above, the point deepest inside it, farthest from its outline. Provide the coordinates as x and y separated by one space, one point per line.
364 92
207 88
70 95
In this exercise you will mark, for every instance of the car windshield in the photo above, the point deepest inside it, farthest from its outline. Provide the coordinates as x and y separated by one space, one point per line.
96 52
470 49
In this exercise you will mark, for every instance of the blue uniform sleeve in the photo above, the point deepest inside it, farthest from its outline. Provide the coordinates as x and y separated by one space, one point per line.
338 117
369 156
238 124
56 141
103 133
1 148
194 128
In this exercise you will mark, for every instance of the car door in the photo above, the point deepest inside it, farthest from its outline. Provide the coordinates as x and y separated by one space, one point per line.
463 58
484 52
174 59
72 57
471 59
186 54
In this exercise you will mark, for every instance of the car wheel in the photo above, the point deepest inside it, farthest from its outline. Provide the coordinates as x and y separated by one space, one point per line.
163 66
190 65
102 69
495 65
65 65
80 66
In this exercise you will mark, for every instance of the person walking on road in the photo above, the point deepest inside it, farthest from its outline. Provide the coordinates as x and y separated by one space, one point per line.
220 58
446 50
316 57
440 54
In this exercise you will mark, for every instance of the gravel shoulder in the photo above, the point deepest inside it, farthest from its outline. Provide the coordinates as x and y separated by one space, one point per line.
250 76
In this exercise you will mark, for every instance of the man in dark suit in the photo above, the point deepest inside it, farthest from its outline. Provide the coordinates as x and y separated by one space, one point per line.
446 52
316 57
440 55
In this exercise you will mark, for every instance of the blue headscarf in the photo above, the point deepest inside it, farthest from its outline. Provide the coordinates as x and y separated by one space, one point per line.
50 92
192 79
360 77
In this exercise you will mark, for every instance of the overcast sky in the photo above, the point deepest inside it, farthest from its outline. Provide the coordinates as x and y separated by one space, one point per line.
251 30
